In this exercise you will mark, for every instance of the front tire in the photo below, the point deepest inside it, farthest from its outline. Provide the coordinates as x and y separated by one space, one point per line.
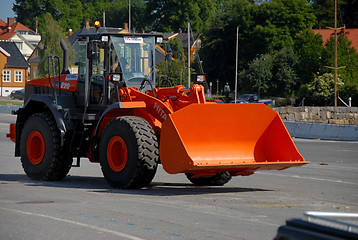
220 179
128 153
41 155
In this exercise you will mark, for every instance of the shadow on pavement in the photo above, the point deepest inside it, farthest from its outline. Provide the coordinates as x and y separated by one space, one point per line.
99 185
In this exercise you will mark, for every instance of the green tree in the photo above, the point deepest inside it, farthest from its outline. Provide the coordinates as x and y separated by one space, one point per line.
117 14
320 92
51 34
177 49
284 73
258 75
219 45
71 15
271 75
264 28
170 15
309 50
347 13
324 11
350 13
347 56
278 21
27 11
174 71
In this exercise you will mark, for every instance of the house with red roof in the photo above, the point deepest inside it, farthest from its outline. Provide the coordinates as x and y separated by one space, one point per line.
25 39
13 68
350 33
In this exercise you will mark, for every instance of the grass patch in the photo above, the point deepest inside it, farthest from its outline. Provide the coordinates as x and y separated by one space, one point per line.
11 103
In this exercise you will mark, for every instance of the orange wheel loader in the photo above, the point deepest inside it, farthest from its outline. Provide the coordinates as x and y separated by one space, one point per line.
112 113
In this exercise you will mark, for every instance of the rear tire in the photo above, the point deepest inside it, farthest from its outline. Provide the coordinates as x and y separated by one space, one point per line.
220 179
128 153
41 155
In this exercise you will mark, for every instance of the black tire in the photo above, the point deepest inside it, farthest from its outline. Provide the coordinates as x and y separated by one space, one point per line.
133 153
220 179
41 155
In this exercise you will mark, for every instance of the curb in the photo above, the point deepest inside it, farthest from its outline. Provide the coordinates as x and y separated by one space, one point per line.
322 131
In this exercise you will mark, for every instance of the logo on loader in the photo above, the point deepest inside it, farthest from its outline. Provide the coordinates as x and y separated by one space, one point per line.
160 111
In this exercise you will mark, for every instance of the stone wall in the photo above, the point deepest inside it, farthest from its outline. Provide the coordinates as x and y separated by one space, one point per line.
330 115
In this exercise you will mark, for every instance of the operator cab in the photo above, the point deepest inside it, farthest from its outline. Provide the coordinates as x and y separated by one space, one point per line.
109 61
134 58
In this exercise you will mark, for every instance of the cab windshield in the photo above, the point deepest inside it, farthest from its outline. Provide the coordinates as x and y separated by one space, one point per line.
134 57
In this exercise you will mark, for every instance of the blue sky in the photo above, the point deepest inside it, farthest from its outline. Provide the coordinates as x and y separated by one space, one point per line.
6 9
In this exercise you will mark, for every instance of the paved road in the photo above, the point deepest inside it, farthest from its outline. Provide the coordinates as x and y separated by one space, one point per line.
83 206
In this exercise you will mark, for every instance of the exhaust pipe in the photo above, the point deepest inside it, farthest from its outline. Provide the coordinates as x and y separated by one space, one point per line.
66 57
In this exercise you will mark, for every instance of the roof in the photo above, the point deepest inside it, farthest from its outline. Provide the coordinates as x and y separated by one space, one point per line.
14 27
350 33
2 23
7 30
4 52
7 36
16 59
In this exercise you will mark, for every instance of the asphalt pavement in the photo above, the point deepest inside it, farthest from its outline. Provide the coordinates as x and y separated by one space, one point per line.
84 206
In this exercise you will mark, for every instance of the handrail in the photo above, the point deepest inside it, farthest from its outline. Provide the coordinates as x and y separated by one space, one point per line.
52 63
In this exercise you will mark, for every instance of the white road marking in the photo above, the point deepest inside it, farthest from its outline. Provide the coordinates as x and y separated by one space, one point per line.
116 233
309 178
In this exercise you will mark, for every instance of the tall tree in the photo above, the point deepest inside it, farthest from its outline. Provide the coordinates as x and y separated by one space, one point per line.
271 74
218 51
51 34
309 50
117 14
27 11
277 22
350 14
347 13
71 15
257 76
170 15
347 56
264 28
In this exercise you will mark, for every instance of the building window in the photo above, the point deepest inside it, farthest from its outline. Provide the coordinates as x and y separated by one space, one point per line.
6 75
18 76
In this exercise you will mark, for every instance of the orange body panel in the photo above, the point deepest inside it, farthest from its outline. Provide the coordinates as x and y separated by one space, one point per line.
239 138
68 82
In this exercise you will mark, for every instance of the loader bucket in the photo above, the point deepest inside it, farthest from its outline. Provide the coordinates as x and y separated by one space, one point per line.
204 139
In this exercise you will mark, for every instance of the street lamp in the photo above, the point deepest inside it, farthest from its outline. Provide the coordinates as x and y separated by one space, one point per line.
211 85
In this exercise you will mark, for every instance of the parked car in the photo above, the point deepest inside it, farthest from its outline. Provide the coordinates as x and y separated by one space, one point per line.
18 94
252 98
246 98
215 100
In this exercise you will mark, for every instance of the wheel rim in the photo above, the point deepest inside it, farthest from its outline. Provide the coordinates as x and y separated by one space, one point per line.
35 146
117 153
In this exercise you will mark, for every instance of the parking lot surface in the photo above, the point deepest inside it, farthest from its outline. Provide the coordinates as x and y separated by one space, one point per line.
84 206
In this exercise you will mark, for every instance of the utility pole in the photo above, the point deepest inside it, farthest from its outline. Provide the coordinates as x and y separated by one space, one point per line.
237 60
189 54
335 54
104 18
129 15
